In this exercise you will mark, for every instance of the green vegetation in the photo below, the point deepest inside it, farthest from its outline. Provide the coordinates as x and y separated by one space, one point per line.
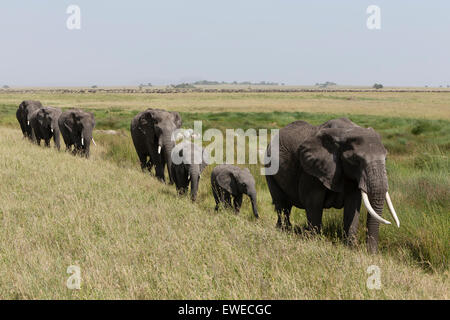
134 238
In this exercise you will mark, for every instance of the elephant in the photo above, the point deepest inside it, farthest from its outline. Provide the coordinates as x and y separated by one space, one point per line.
228 180
44 122
333 165
152 133
189 161
26 108
76 127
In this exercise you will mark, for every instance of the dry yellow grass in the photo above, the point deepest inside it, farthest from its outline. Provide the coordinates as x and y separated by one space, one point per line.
134 238
429 105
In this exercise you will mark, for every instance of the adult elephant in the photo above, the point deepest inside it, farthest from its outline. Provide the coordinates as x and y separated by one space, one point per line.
152 133
189 161
23 113
332 165
44 122
76 127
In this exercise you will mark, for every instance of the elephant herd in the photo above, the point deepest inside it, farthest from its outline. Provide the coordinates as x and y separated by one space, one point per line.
44 123
337 164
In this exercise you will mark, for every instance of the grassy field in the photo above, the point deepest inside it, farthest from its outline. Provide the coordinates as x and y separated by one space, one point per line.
429 105
134 238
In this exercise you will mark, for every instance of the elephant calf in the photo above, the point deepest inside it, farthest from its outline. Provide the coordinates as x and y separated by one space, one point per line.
188 162
227 181
44 123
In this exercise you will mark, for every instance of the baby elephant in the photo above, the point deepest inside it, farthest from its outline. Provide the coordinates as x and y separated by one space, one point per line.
188 162
227 181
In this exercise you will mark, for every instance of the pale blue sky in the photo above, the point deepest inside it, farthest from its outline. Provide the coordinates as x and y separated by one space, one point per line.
292 41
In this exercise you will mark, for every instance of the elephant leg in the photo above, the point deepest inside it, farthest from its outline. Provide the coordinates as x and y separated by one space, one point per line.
237 202
159 170
352 206
279 220
216 197
143 161
312 195
47 142
227 199
282 204
149 165
287 220
314 211
38 142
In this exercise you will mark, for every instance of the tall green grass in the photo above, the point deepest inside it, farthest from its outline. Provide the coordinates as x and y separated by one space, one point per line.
134 238
418 172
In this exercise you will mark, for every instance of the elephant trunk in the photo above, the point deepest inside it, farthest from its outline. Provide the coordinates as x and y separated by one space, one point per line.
376 186
86 137
168 146
195 177
252 196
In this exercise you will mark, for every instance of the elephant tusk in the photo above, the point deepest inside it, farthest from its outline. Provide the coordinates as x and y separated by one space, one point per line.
94 142
370 209
159 149
392 210
28 122
51 130
82 141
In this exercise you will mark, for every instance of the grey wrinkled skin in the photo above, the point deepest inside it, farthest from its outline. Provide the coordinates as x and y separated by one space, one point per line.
228 180
152 128
73 125
327 166
189 170
44 122
23 113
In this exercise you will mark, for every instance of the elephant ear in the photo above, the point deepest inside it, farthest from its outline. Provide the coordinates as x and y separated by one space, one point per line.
177 119
227 181
145 119
319 157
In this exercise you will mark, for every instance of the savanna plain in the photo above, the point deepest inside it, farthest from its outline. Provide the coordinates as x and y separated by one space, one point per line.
135 238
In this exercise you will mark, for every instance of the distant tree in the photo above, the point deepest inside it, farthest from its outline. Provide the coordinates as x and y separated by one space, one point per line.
94 87
5 87
149 84
184 86
378 86
326 84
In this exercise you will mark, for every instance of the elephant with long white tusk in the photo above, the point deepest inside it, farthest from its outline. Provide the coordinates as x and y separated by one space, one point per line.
334 165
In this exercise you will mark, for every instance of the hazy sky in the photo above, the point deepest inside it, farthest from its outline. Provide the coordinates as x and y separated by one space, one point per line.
291 41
